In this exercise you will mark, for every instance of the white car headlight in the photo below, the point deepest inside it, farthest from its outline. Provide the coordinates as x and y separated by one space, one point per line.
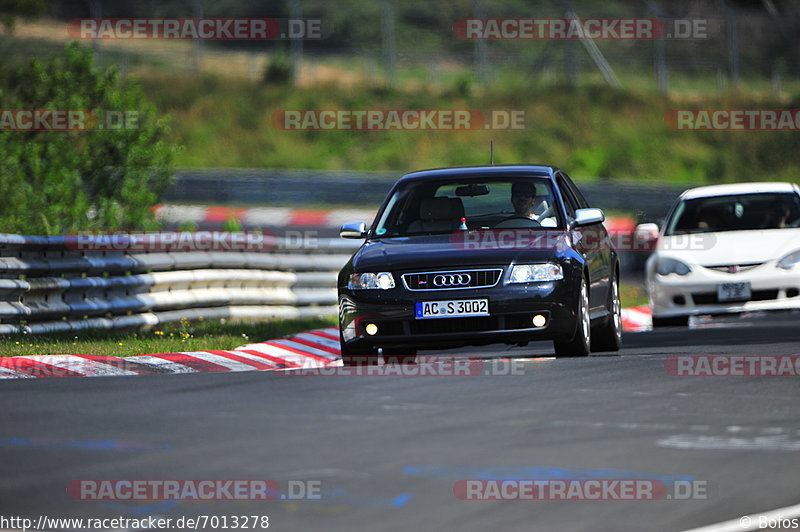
371 281
666 266
787 262
529 273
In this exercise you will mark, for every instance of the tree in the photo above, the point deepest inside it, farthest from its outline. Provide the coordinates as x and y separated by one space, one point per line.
106 175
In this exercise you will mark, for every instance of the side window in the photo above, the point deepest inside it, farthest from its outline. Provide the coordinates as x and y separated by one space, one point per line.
581 201
570 204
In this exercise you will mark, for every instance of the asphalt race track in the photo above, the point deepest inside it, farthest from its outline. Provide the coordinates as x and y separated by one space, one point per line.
387 451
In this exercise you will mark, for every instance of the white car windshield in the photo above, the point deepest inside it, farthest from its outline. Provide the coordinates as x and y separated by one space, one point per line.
740 212
452 204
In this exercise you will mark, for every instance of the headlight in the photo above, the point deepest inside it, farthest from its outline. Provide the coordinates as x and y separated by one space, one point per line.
371 281
789 261
528 273
667 266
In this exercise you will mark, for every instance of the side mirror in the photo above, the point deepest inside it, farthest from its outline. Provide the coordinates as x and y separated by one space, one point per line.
588 217
353 230
646 232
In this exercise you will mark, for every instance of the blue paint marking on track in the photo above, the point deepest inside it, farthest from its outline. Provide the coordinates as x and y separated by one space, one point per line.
86 445
401 500
523 473
340 496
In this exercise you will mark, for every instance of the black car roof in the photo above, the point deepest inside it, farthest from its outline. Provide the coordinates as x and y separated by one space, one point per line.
482 170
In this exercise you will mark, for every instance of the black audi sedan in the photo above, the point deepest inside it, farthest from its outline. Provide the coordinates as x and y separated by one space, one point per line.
475 256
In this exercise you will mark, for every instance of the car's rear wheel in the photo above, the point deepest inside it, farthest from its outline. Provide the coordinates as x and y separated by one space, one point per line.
357 357
608 337
674 321
578 346
399 355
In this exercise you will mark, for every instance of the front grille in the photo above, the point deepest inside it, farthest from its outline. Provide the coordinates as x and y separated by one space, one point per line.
451 280
734 268
710 298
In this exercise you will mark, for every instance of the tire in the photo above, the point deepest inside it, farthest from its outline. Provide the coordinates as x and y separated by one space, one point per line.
579 345
608 337
399 355
357 357
675 321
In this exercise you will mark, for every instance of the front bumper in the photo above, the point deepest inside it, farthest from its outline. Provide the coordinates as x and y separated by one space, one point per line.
696 293
511 309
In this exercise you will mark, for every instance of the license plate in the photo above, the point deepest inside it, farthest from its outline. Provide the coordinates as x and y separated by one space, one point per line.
452 309
733 292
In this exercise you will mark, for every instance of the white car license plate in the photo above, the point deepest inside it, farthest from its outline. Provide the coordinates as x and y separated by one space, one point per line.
452 309
733 292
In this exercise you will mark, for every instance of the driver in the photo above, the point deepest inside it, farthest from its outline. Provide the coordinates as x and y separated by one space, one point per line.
523 198
777 216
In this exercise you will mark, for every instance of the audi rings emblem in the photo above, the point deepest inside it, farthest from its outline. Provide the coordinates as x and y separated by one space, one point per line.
452 279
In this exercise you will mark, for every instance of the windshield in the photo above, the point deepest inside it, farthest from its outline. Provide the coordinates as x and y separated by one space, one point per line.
447 205
739 212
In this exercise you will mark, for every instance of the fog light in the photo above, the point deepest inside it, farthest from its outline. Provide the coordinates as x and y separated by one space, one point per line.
539 320
371 329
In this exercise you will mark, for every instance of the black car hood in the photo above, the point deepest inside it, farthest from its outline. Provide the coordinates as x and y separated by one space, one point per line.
450 251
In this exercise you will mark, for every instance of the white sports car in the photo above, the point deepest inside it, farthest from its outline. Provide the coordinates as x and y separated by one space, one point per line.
726 249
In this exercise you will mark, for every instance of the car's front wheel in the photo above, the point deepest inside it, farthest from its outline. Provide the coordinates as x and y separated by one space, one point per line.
578 346
608 337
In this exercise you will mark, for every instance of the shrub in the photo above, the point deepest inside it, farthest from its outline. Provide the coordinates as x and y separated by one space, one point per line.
94 178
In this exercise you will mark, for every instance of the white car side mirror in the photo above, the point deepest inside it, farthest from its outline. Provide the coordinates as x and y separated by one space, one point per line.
646 232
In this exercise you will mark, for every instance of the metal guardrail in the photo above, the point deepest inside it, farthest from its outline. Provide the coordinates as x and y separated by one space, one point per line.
47 285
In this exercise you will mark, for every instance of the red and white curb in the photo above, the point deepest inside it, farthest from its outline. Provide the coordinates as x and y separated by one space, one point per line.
260 216
637 319
311 349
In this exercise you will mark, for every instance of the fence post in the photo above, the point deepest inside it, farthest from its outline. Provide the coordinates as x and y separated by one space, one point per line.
95 11
733 46
388 41
481 74
197 51
296 44
660 49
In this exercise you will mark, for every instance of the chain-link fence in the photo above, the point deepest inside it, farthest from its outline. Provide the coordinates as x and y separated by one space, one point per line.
705 46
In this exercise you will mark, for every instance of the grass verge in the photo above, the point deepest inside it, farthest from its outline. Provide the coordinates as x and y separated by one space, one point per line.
632 295
183 336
